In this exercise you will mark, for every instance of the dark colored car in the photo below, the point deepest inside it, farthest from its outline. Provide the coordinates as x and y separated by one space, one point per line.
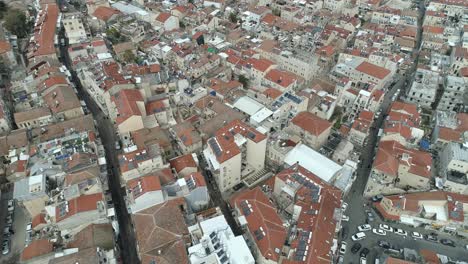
447 242
356 247
384 244
364 252
377 198
370 216
344 232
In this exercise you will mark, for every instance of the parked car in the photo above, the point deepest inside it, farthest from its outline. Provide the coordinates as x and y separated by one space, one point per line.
340 260
379 232
6 247
370 216
430 238
344 232
11 205
386 227
416 235
29 227
364 252
355 248
117 145
447 242
358 236
362 260
345 218
384 244
344 206
401 232
365 227
343 248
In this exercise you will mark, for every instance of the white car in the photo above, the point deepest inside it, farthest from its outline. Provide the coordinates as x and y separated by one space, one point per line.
343 248
365 227
358 236
379 232
344 206
386 227
401 232
416 235
363 260
345 218
28 227
11 205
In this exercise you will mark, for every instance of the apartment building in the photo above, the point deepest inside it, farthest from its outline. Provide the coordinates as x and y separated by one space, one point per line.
311 128
453 96
361 128
453 168
236 151
74 28
424 88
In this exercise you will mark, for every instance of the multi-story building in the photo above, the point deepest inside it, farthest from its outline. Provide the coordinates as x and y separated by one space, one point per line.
361 127
453 168
235 152
453 96
74 28
311 128
424 88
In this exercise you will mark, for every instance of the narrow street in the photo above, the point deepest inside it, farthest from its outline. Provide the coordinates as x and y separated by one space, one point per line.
217 199
126 239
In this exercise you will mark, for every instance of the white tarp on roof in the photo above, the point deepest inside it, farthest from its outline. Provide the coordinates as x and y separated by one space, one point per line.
313 161
248 105
261 115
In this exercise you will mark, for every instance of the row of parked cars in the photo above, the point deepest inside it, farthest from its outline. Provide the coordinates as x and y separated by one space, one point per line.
8 230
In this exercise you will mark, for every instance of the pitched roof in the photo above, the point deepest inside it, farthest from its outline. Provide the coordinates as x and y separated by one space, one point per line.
259 64
373 70
38 219
44 33
182 162
225 141
163 16
187 133
161 232
93 235
37 248
83 203
4 46
311 123
126 103
61 99
104 13
391 154
281 77
144 184
263 222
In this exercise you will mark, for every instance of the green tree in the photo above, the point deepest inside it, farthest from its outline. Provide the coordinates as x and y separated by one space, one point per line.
233 17
244 80
181 24
3 9
15 22
114 36
276 12
129 56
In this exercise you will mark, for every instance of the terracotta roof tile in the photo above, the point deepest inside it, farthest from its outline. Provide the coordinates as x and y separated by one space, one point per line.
104 13
83 203
4 46
373 70
311 123
163 17
283 78
126 102
264 219
182 162
37 248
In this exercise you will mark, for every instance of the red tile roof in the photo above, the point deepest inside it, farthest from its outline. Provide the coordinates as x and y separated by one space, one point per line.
161 233
224 138
392 260
364 121
326 51
259 64
44 32
373 70
126 103
51 81
263 220
83 203
315 217
104 13
156 106
182 162
163 17
38 219
311 123
144 184
37 248
272 93
433 29
283 78
4 46
456 134
391 154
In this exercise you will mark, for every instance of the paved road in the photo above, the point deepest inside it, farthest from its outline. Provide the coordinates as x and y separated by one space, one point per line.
356 207
127 241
